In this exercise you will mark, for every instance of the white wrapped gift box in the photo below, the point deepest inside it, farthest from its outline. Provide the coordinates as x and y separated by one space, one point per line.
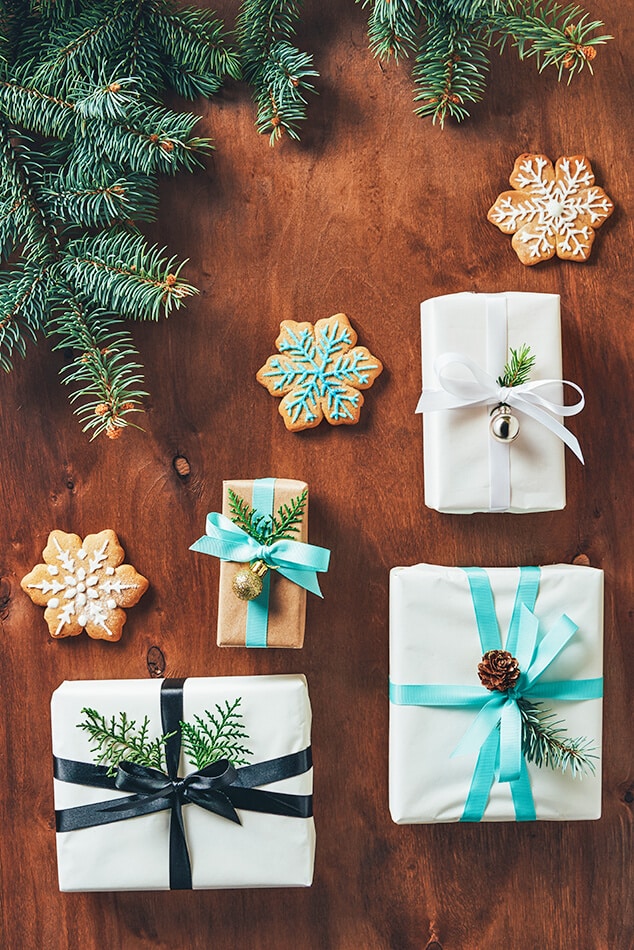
434 640
265 850
457 442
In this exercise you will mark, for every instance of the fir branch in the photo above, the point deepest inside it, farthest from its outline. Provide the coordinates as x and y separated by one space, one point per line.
23 309
104 376
518 369
450 69
544 742
123 274
277 70
552 33
393 27
215 737
118 739
266 529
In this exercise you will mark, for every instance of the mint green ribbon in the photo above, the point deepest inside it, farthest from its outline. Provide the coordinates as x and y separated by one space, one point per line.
297 561
496 732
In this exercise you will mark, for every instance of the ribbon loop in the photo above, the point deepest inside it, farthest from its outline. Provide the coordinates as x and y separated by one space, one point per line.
482 389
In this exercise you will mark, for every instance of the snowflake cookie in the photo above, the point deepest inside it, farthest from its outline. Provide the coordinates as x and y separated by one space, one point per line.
84 584
319 373
552 210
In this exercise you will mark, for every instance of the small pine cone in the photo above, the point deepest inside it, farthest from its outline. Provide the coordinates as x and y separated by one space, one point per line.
275 121
167 146
114 432
128 406
102 409
568 61
498 670
589 52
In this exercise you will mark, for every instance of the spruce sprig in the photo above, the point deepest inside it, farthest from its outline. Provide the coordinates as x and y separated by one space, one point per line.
518 369
265 529
544 741
120 738
216 737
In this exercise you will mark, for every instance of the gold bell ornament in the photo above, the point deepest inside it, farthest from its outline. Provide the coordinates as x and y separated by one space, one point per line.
247 583
504 425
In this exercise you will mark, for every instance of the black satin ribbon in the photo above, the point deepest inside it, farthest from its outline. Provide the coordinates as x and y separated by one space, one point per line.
219 788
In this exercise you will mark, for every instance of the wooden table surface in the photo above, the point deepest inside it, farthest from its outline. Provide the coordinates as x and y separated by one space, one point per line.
372 212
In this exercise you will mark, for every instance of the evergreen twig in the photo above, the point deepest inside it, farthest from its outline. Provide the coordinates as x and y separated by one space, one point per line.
545 743
119 738
518 369
265 529
218 736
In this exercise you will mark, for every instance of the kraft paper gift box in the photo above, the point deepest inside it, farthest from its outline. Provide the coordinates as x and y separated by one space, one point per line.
277 617
272 845
438 766
465 469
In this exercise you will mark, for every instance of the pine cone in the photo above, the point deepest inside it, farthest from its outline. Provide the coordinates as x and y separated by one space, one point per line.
498 670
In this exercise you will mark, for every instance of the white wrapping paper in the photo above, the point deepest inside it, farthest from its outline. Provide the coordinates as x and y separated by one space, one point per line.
434 640
456 459
265 851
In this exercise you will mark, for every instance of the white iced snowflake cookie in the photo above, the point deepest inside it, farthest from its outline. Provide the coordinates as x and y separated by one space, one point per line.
552 210
84 585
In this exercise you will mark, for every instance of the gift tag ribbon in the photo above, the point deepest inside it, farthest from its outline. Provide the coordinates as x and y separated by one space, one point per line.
219 788
297 561
495 735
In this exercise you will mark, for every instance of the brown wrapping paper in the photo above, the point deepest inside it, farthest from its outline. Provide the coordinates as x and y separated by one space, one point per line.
287 603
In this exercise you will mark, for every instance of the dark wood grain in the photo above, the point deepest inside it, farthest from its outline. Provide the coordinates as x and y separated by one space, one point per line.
372 212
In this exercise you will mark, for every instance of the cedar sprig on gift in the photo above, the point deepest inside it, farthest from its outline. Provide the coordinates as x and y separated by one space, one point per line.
545 743
207 740
518 369
119 738
265 529
216 737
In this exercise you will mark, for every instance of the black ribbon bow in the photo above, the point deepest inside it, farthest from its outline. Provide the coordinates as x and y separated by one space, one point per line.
219 788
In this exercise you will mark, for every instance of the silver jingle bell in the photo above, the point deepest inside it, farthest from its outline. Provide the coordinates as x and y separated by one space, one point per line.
504 425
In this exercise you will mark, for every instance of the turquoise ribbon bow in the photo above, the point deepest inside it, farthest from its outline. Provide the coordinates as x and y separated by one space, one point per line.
297 561
496 732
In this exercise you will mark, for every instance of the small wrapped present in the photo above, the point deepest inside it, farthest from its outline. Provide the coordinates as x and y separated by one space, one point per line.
494 441
495 693
266 565
178 784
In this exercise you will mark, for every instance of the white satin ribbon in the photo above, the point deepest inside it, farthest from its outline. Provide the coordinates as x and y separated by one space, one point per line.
483 390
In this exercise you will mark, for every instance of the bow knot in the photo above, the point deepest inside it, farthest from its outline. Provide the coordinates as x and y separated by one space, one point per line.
482 389
297 561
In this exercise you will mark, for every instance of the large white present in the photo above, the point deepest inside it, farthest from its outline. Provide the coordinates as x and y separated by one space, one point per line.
450 758
466 343
184 823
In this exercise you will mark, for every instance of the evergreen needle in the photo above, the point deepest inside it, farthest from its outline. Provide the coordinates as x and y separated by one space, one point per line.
518 369
544 742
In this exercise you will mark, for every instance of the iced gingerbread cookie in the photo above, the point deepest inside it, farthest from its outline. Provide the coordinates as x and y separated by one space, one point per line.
552 210
84 585
319 373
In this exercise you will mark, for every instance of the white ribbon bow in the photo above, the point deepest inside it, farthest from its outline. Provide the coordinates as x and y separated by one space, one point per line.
484 390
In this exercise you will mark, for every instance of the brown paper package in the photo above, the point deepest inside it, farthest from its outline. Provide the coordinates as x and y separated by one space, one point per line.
287 603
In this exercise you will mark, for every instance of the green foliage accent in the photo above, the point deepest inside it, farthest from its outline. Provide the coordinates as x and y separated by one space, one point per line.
518 369
120 738
83 136
544 742
209 738
216 737
265 529
451 40
279 73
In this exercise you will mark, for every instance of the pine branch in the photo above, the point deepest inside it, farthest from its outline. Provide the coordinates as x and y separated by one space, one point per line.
552 33
450 69
23 309
393 27
119 739
278 72
123 274
544 742
216 737
518 369
104 376
265 529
